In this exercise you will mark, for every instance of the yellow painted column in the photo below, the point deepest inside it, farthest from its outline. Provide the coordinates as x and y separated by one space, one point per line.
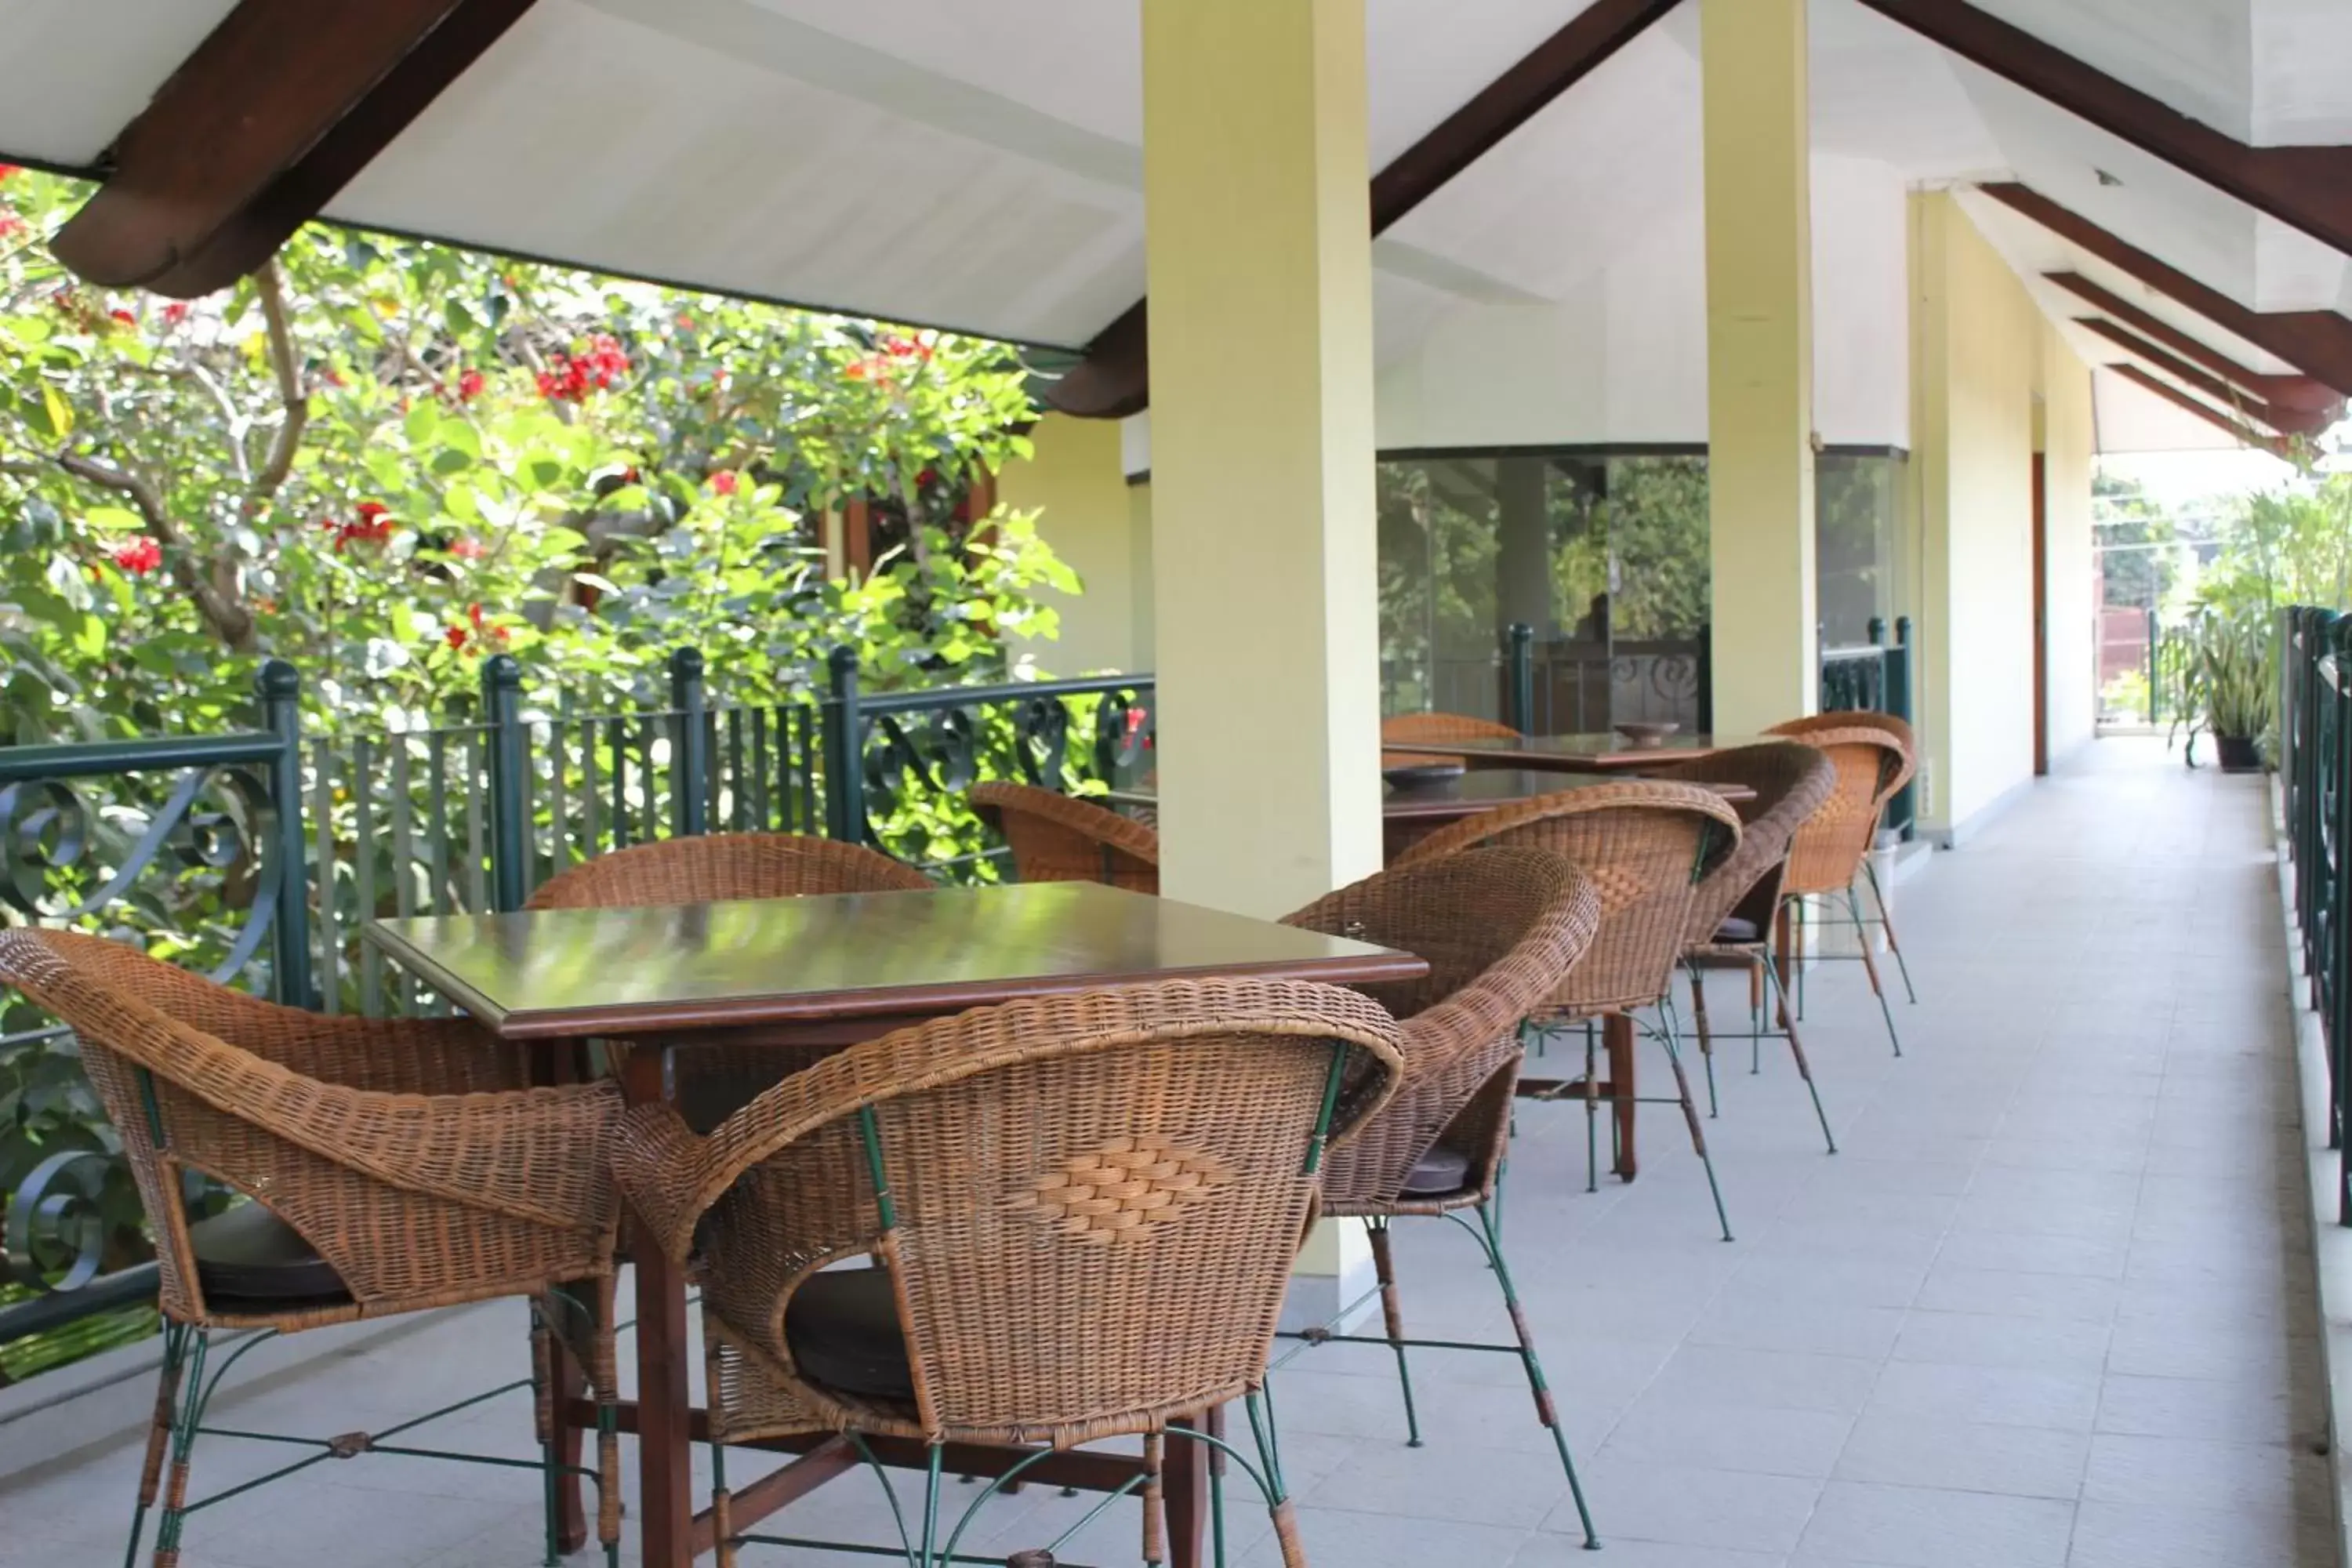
1759 358
1257 240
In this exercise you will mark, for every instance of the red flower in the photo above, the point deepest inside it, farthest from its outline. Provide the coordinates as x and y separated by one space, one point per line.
470 386
10 225
724 482
469 548
139 557
122 318
332 377
684 320
374 526
474 613
175 312
8 169
454 637
575 375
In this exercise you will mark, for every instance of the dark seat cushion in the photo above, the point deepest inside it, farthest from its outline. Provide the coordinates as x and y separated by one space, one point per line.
1438 1173
1734 928
842 1327
249 1259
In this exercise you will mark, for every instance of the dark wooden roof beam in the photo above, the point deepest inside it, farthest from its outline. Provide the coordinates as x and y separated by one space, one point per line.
1114 378
2286 421
2296 391
2319 343
2307 187
2274 445
272 114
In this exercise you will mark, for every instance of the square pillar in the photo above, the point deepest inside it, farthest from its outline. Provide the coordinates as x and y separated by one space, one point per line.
1257 236
1759 361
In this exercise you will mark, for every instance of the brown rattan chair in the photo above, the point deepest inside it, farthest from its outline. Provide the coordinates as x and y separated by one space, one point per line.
1645 844
712 1081
1731 917
1056 838
1500 929
1874 757
1082 1212
393 1165
1410 727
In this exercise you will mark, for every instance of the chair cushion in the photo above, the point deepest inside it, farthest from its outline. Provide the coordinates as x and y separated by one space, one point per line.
1438 1173
1735 929
249 1259
842 1327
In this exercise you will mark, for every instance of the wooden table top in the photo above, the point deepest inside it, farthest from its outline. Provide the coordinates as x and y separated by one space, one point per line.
576 973
1480 789
1610 753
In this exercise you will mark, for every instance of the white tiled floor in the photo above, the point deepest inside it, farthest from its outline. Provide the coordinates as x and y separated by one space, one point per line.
2048 1308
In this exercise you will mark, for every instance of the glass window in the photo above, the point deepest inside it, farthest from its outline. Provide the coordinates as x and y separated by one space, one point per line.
1856 511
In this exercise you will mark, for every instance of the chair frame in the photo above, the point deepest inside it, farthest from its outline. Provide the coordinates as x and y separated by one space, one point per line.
376 1131
1632 962
1126 852
836 1111
1462 1037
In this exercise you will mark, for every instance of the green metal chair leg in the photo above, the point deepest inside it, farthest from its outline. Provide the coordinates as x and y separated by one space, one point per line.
1393 1321
1796 1047
1887 919
1870 967
1706 1037
1691 1116
1592 1117
1546 1410
191 1416
159 1434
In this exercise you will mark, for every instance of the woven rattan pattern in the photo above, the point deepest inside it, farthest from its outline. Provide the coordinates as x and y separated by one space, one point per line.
1644 844
409 1154
1056 838
1871 754
1410 727
1500 929
1018 1331
1790 782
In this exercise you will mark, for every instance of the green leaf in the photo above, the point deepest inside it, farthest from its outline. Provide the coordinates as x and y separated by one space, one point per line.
111 519
58 412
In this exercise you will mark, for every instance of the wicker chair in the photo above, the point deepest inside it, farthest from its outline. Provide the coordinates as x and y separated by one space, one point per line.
1874 757
713 1081
1500 930
1082 1210
1410 727
395 1164
1645 844
1731 918
1057 839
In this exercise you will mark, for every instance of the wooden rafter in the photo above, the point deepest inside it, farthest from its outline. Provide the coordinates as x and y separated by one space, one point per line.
2307 187
2317 342
2296 391
272 114
1113 378
2219 419
2286 421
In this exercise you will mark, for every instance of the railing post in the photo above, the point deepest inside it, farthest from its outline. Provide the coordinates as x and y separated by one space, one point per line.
281 708
1705 680
509 841
1523 677
2336 953
689 766
2155 669
1895 669
845 765
1877 631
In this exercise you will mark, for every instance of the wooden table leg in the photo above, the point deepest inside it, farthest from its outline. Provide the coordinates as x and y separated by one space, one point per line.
664 1409
1617 1034
1184 1480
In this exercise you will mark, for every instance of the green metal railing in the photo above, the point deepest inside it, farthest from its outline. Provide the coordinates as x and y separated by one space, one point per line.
2315 776
1875 678
259 856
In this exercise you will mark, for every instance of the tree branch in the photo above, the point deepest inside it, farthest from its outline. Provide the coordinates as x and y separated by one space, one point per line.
272 292
230 620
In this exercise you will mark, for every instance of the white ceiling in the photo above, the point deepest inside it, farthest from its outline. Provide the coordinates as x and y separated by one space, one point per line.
979 164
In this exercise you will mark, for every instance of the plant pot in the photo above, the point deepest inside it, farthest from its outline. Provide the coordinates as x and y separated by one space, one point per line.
2237 753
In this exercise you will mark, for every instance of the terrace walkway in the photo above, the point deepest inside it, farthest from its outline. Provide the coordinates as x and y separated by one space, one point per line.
2048 1308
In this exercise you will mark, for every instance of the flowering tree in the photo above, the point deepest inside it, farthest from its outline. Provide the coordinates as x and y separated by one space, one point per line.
383 459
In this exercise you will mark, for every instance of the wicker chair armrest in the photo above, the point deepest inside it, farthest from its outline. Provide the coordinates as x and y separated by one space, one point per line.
658 1163
1627 793
933 1055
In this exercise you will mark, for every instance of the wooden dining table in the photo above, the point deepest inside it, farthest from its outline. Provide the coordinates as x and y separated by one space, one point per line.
831 970
1608 753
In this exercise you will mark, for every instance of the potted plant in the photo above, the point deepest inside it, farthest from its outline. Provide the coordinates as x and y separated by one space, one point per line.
2230 687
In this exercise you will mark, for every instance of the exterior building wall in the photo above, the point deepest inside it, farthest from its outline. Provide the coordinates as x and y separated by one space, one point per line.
1075 481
